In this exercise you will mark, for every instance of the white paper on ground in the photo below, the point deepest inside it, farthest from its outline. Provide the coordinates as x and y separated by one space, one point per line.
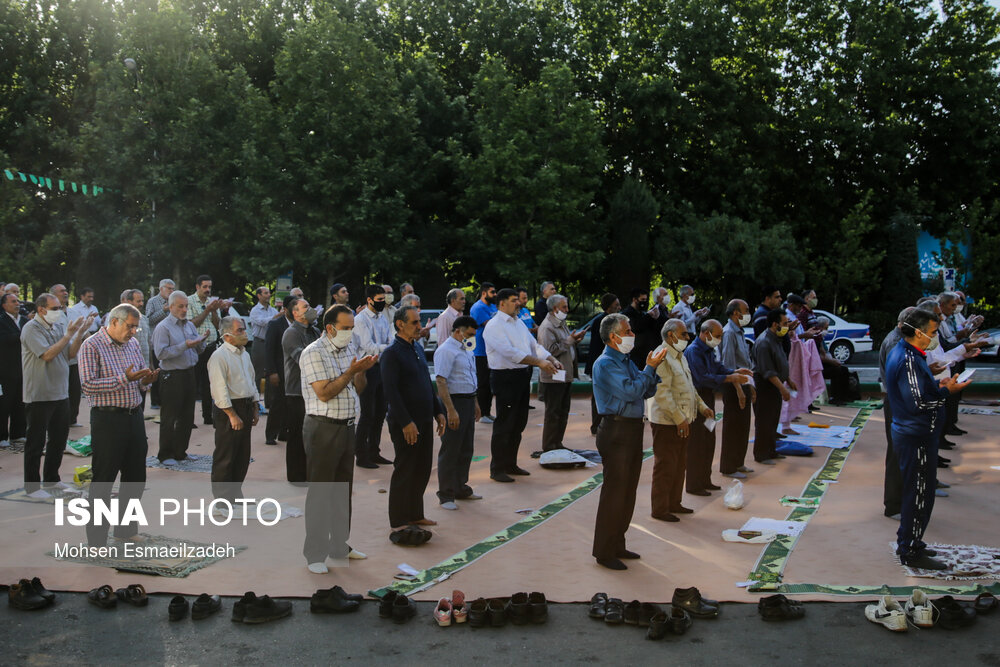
995 467
710 424
559 376
732 535
407 569
745 584
779 526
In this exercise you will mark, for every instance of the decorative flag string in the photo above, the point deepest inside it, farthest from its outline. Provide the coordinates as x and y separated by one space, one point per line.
55 184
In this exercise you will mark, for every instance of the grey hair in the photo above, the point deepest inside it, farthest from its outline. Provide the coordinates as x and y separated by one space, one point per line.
706 326
611 324
167 282
404 286
554 300
903 313
946 297
226 325
673 324
129 293
402 313
411 300
8 288
824 322
176 295
122 312
686 289
546 284
44 299
453 294
734 307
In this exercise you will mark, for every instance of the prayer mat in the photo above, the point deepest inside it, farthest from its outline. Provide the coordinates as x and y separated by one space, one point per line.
203 464
13 448
19 496
191 556
979 411
963 562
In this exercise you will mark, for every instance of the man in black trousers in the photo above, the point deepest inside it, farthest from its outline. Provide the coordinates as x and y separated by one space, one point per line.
609 305
413 409
892 485
274 370
770 377
12 416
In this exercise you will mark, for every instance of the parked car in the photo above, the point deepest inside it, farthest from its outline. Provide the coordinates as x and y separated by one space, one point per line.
843 338
426 315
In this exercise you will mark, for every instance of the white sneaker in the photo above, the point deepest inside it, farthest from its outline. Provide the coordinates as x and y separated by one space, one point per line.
450 505
920 610
486 419
357 555
40 494
888 613
169 462
318 568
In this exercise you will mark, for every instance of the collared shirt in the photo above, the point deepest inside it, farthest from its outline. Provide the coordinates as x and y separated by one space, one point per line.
676 400
373 332
142 334
793 322
196 308
554 336
155 311
769 357
103 362
170 344
759 321
456 365
80 309
322 360
706 370
43 380
296 338
231 375
482 313
619 387
946 332
683 312
735 349
260 317
508 341
409 392
807 318
444 323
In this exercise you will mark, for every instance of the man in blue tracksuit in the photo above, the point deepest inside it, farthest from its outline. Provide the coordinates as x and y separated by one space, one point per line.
917 403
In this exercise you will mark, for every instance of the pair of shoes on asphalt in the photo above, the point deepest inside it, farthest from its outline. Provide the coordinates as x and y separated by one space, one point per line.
451 609
779 608
253 610
396 606
945 612
614 611
519 609
204 606
29 595
106 597
410 536
334 601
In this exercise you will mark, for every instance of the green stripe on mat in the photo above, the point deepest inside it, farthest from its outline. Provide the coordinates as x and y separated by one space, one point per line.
444 569
896 591
769 567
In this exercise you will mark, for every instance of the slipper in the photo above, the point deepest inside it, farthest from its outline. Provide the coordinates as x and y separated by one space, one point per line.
985 603
134 594
425 522
103 597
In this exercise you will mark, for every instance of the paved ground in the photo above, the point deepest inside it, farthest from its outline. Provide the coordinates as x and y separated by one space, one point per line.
73 632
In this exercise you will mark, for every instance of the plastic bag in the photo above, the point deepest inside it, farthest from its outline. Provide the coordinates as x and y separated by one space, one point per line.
82 476
734 495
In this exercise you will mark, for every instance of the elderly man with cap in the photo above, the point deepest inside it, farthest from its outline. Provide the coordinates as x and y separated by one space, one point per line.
736 399
555 336
112 375
619 390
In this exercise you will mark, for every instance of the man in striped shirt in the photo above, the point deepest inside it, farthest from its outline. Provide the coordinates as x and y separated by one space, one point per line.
112 375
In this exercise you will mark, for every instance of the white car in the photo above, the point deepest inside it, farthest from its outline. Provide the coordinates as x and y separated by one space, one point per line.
843 338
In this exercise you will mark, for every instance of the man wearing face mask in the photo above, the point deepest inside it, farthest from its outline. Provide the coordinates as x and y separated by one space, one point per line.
807 318
455 373
47 345
709 377
555 336
917 401
684 312
374 333
647 337
390 299
233 382
609 306
296 338
671 412
636 314
770 376
620 390
736 398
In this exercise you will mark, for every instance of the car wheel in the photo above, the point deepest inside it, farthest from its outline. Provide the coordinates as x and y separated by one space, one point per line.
842 351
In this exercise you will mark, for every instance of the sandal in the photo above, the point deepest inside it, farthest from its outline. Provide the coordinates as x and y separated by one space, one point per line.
985 603
134 594
103 597
598 605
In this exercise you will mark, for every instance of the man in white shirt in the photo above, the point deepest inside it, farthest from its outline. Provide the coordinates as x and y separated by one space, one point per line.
374 334
511 352
260 316
233 385
683 311
455 309
84 307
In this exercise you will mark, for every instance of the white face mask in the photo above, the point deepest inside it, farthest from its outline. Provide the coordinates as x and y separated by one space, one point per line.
713 342
958 309
388 299
690 300
470 344
628 342
560 315
53 316
342 337
680 345
744 319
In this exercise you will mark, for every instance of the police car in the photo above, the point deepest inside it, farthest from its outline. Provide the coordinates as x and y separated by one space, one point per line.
843 338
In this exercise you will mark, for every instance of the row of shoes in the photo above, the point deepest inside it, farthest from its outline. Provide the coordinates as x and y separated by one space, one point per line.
453 609
204 606
334 601
107 597
945 612
519 609
397 606
253 610
29 595
686 604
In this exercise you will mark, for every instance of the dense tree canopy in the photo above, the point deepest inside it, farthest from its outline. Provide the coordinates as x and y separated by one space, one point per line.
597 143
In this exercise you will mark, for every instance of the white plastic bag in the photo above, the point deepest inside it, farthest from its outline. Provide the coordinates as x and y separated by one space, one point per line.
734 495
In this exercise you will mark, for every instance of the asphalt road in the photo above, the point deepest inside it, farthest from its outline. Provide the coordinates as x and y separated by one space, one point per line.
73 632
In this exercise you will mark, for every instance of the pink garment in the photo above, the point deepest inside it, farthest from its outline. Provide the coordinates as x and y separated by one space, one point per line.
805 368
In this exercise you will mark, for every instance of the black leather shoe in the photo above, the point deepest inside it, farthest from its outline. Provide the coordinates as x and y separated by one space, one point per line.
502 477
942 485
403 609
367 464
23 595
954 615
518 471
264 609
381 459
713 487
666 517
780 436
337 590
942 464
612 563
680 509
945 445
538 608
496 611
598 605
929 552
925 562
326 601
680 621
631 615
38 587
615 614
240 606
779 608
701 492
657 626
690 600
134 594
629 555
178 608
780 456
478 613
945 459
647 611
517 609
954 430
385 604
205 605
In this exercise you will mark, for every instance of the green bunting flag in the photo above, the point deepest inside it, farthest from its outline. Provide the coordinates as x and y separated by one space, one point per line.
62 186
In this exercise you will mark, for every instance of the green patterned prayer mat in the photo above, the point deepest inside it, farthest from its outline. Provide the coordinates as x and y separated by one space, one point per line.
771 564
172 557
443 570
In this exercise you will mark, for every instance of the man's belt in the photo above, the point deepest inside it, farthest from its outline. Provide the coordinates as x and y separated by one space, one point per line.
621 418
123 411
472 395
331 420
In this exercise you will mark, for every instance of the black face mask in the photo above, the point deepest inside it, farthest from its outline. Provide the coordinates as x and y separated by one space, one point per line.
643 304
379 306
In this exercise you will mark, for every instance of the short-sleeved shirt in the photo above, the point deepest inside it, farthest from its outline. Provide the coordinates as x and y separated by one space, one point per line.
43 380
525 316
481 313
456 365
322 360
196 308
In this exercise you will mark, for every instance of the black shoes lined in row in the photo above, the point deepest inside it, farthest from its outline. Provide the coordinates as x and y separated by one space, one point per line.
29 595
687 603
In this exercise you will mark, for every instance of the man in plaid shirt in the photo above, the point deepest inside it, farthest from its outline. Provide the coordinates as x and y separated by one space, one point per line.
111 372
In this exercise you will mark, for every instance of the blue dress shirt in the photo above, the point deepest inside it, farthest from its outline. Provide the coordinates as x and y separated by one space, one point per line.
706 371
619 387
